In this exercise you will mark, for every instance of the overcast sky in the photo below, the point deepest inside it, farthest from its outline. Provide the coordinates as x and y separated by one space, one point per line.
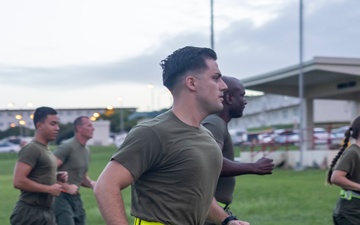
87 53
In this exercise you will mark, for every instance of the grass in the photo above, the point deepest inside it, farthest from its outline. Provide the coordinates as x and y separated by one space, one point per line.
286 197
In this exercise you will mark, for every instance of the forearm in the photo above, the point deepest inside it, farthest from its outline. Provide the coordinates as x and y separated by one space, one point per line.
87 182
26 184
231 168
262 166
111 204
347 184
216 213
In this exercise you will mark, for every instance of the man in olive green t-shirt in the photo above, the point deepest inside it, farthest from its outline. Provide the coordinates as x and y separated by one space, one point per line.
73 156
234 104
171 162
35 173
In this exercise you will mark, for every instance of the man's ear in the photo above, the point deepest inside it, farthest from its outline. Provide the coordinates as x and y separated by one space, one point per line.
190 82
228 98
38 125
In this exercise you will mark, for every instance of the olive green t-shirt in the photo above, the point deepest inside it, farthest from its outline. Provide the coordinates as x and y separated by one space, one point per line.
43 163
349 162
175 167
75 158
218 127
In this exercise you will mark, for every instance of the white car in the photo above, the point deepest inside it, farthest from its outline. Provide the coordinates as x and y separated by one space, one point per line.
322 136
9 147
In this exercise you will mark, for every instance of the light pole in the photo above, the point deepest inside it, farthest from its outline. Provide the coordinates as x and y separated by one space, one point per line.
302 122
121 115
212 24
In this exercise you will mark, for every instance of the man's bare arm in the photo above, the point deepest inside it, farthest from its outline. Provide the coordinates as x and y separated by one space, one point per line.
111 181
21 181
261 167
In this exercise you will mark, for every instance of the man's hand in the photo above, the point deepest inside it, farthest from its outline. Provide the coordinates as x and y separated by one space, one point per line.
92 184
55 189
264 166
238 222
71 189
62 176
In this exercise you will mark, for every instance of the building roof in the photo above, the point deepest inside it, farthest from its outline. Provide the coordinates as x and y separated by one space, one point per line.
323 77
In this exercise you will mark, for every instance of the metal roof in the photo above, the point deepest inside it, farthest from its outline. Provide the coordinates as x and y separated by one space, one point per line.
324 77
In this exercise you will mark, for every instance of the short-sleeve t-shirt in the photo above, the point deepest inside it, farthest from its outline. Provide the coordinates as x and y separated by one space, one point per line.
43 163
175 167
350 163
218 127
75 158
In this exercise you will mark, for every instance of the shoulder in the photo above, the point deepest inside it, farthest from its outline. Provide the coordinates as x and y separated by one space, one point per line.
65 146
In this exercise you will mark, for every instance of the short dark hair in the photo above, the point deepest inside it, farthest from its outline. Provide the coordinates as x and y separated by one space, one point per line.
41 113
78 122
183 60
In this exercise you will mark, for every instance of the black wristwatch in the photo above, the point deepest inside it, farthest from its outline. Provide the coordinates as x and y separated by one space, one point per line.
228 219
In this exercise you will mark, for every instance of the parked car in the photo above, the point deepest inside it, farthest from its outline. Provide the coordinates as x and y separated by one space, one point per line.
9 147
339 132
238 136
338 135
287 136
322 136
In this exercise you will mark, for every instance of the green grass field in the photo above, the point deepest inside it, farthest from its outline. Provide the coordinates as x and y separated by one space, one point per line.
285 198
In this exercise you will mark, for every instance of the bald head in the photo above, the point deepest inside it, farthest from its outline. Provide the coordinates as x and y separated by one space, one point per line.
234 97
233 84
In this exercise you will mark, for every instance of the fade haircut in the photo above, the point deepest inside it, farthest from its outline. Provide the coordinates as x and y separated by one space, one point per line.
354 132
183 60
41 113
78 122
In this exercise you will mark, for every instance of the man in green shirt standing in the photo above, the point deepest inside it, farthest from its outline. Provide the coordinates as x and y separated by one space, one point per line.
73 156
35 173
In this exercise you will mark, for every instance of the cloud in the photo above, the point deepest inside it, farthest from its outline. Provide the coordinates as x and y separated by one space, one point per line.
244 48
143 68
330 30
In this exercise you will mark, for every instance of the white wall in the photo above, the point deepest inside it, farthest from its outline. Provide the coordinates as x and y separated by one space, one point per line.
311 158
101 133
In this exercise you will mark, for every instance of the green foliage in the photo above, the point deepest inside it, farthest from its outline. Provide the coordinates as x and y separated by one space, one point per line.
114 117
286 197
66 132
16 131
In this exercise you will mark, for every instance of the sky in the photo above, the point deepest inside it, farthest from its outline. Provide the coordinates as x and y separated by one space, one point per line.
88 53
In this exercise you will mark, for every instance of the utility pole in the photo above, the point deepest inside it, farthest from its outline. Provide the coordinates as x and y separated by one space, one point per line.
212 24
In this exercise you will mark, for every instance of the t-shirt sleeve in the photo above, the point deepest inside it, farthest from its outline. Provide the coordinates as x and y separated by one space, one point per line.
216 131
29 155
141 151
62 152
347 161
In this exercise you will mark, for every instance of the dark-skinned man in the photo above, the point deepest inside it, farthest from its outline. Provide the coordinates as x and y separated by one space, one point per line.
234 104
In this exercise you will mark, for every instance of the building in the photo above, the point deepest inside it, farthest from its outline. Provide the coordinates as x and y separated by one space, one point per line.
23 117
271 110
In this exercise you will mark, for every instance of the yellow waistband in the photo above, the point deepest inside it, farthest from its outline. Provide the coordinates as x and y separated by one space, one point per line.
138 221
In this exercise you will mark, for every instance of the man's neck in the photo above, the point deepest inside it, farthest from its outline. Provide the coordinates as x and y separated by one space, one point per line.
192 118
41 139
81 139
224 115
